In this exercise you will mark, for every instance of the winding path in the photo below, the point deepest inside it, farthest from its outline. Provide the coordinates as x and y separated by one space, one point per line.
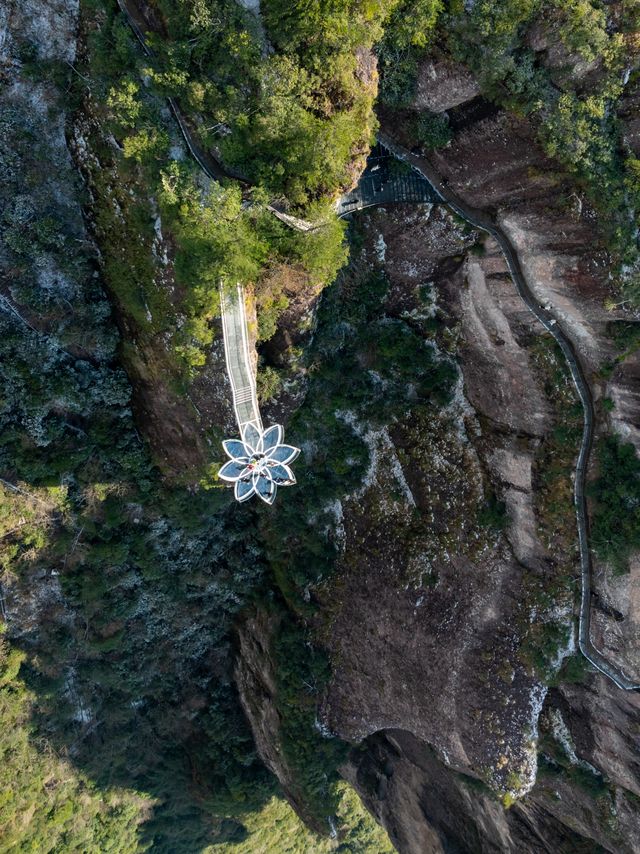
480 219
212 167
238 357
248 476
209 165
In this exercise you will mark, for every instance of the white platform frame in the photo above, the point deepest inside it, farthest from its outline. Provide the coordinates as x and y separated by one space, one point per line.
238 357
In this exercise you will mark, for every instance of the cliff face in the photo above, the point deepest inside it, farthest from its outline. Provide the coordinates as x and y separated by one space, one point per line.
555 234
428 807
494 163
177 417
445 632
256 679
413 532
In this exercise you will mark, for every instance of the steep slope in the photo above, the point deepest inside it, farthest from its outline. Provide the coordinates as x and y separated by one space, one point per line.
120 579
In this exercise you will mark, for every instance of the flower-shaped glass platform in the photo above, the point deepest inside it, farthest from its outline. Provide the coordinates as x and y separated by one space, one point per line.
259 463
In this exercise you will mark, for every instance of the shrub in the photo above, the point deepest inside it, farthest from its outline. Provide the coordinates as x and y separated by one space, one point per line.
616 502
433 130
269 383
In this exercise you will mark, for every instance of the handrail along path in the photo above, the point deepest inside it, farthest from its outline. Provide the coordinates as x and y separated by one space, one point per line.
479 219
209 165
238 357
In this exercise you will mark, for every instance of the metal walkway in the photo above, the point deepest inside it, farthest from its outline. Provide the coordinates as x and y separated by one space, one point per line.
259 461
480 219
385 181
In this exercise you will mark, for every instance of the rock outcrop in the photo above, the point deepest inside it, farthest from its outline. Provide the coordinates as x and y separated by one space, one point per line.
435 631
401 584
443 84
426 806
496 163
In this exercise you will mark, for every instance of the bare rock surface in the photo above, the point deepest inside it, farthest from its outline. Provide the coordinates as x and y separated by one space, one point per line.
435 599
496 164
50 27
550 253
443 84
255 678
584 801
616 614
491 348
427 807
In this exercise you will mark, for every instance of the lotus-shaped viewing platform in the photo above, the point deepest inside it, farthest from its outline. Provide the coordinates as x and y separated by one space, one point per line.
259 461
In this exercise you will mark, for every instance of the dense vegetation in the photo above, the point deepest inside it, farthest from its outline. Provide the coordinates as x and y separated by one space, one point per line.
291 119
215 237
128 676
97 726
121 728
573 96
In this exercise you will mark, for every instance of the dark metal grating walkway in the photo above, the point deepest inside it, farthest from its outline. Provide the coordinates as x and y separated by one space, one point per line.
386 181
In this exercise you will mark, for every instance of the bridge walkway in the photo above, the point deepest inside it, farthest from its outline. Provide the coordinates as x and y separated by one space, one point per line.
238 357
386 181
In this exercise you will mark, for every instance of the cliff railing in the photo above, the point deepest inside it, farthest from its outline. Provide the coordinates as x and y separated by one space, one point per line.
378 185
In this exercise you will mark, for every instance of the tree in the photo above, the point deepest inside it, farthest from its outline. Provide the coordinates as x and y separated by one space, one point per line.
124 103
